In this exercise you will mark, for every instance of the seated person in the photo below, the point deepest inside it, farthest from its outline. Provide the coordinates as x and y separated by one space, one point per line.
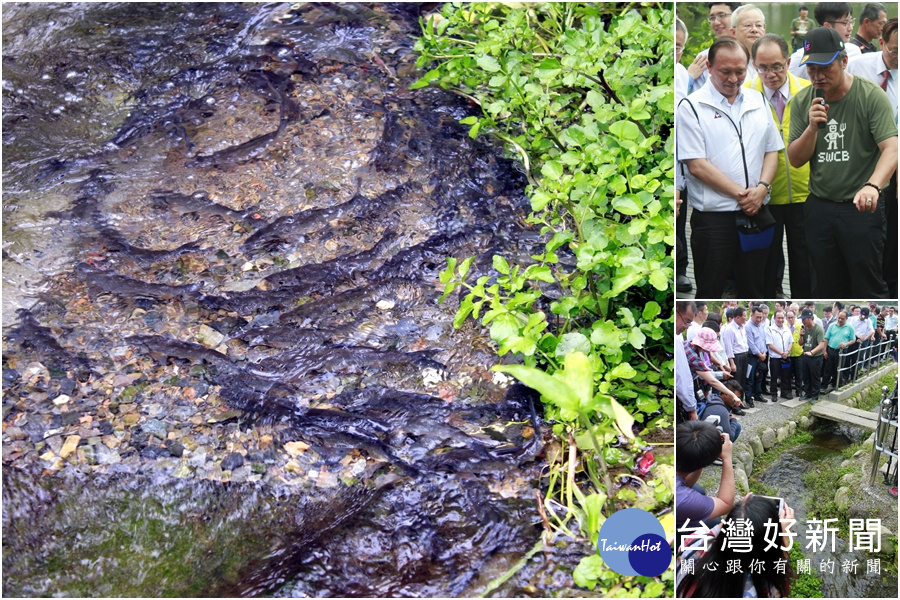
709 578
718 410
697 445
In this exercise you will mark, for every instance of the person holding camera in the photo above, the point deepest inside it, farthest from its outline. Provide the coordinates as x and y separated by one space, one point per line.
697 445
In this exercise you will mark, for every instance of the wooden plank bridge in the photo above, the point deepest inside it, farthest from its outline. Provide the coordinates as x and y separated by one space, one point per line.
845 414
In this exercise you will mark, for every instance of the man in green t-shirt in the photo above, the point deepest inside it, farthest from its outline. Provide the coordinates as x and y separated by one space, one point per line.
840 334
849 139
813 356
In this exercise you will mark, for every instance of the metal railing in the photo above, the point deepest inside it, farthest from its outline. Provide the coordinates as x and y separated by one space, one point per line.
886 430
858 359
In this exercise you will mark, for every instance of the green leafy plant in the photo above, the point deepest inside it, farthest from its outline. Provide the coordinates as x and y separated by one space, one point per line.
581 94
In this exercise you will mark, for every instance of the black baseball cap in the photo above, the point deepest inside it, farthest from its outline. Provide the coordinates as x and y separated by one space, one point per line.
821 46
806 314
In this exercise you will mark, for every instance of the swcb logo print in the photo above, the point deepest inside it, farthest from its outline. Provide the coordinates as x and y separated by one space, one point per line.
633 542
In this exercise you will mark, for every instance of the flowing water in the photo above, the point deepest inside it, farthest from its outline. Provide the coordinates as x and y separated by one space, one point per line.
785 476
225 368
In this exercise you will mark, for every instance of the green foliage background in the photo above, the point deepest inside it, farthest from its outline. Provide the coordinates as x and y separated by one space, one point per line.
582 95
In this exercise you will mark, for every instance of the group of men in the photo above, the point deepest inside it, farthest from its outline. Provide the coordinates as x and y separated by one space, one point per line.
805 145
793 351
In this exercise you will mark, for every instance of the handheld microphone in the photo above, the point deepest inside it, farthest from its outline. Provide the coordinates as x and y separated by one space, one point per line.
820 93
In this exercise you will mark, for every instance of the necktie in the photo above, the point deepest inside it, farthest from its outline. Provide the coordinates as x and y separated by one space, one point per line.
779 105
886 74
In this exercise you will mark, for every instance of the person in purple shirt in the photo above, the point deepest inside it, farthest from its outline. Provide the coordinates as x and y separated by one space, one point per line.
697 445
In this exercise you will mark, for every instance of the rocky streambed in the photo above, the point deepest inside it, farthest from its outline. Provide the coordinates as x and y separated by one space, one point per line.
225 370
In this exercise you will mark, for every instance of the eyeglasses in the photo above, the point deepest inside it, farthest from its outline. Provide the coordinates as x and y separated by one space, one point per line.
749 26
687 321
848 23
893 52
772 69
718 17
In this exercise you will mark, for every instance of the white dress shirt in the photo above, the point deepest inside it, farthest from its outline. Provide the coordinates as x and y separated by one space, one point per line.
871 66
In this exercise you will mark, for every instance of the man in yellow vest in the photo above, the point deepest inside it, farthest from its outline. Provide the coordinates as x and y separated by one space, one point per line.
770 57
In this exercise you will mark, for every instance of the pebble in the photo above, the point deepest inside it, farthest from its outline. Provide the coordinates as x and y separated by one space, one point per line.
155 427
70 446
176 449
61 399
232 461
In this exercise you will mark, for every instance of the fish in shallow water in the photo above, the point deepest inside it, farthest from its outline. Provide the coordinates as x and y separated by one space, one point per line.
200 202
107 281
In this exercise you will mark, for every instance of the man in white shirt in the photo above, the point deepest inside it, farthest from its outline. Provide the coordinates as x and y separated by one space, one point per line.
862 325
880 67
734 338
720 21
779 339
700 316
838 16
890 325
748 24
728 140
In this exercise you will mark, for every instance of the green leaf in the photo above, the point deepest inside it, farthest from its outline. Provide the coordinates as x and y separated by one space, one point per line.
637 338
501 265
579 376
627 205
571 342
611 408
539 273
651 311
589 571
503 326
464 267
626 130
539 200
488 63
628 278
622 371
552 169
659 280
551 388
606 334
592 505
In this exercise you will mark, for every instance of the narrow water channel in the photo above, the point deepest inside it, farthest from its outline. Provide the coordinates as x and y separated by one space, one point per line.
225 368
785 475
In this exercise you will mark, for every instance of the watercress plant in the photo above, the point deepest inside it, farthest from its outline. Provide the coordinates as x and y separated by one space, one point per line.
581 94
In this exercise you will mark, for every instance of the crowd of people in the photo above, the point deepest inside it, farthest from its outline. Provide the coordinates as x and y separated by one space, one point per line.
755 355
746 357
773 144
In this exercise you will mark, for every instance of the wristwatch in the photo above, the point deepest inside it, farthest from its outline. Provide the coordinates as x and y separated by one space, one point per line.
769 186
869 183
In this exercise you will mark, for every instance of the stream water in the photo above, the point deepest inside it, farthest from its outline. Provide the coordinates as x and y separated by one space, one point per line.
785 476
225 368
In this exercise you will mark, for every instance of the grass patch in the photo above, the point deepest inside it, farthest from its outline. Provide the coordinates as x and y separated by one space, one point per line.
805 585
872 395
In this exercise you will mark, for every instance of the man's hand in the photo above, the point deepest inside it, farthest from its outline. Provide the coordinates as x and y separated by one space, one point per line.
696 68
725 455
750 200
866 199
818 113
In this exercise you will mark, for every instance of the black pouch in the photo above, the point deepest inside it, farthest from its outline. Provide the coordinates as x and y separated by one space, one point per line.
756 232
